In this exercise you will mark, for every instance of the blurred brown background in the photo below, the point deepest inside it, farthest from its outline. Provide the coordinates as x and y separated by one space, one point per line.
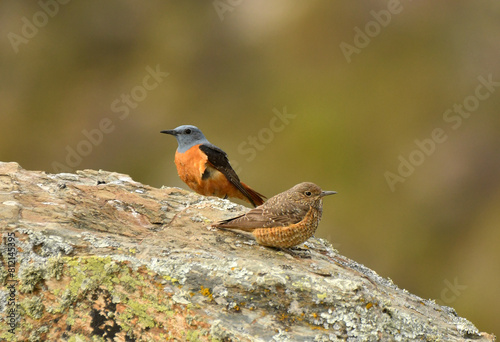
84 84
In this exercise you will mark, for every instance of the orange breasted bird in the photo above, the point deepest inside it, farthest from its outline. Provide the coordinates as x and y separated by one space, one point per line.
205 168
285 220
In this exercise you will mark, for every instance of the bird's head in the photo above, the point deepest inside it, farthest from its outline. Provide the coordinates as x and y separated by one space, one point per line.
308 192
187 136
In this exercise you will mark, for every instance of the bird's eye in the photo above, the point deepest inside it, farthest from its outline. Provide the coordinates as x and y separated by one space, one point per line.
308 193
187 131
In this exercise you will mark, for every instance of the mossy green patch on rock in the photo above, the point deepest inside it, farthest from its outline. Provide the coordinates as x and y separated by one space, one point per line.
33 307
3 274
170 279
78 338
5 335
134 309
54 267
36 335
193 335
127 300
66 300
96 338
88 273
30 276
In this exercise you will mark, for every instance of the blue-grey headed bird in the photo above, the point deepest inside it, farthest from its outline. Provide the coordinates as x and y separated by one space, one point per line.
205 168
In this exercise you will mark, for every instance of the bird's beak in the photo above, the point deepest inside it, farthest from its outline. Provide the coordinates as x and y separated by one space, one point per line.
326 193
170 131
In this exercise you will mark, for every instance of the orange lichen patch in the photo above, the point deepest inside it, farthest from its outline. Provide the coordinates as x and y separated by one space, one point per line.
282 316
206 292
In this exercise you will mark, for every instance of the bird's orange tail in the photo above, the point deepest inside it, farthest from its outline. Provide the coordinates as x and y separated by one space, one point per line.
257 198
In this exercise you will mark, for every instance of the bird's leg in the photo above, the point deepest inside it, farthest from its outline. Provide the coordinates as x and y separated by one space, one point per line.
301 249
294 253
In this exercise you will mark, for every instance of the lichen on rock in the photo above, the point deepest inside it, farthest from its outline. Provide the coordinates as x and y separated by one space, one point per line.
101 257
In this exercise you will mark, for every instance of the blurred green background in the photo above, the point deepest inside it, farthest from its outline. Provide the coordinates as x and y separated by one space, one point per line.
68 68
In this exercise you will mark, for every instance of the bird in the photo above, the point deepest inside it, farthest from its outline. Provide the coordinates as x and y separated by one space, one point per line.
285 220
205 168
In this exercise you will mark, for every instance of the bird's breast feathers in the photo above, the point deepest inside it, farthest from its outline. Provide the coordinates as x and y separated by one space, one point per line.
191 164
195 170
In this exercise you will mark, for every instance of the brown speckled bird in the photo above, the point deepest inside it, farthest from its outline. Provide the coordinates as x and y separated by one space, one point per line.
285 220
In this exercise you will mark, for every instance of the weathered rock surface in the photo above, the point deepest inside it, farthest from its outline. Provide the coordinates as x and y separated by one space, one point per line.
100 257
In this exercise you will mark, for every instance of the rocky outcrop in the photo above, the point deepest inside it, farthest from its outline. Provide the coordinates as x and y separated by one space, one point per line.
96 256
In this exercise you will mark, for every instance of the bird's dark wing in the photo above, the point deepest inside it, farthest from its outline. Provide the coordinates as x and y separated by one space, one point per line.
218 160
262 217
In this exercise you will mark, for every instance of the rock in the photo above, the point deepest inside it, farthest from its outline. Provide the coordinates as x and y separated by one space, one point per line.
96 254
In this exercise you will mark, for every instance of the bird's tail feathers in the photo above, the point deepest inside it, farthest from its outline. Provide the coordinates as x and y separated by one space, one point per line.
256 197
229 224
229 227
